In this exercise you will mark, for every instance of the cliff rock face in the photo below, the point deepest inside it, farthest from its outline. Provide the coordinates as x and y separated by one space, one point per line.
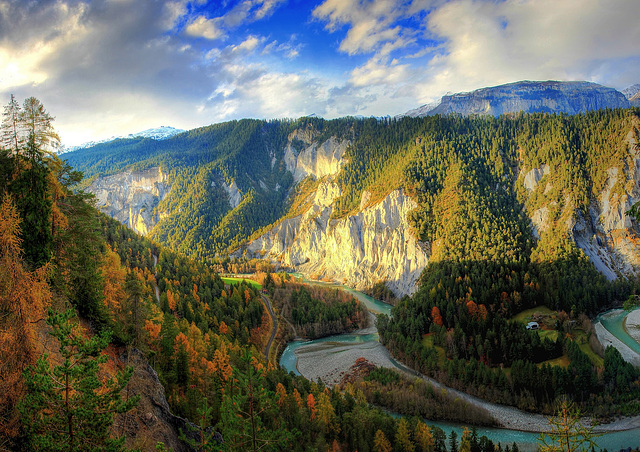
372 245
317 160
132 196
151 421
529 97
606 234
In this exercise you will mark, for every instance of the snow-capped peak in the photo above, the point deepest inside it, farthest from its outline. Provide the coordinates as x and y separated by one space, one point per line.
157 133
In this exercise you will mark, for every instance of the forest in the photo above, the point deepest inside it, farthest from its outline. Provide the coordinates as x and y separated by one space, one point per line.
81 293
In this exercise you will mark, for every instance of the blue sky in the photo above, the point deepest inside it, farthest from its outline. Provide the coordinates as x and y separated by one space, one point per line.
113 67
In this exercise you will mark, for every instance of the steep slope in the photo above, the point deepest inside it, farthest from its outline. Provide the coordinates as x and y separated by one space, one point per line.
529 97
375 244
365 200
131 197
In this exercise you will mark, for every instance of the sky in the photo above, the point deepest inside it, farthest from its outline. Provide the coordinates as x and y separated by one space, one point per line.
107 68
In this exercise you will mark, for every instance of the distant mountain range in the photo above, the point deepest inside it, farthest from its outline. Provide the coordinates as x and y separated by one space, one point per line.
530 97
158 133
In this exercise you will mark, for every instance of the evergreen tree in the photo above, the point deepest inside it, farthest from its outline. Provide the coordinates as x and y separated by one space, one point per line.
381 443
249 413
403 437
67 407
207 439
453 441
30 189
37 122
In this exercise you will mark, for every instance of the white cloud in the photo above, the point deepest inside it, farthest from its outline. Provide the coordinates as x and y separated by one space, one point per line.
248 45
371 23
489 43
379 72
267 8
22 57
201 27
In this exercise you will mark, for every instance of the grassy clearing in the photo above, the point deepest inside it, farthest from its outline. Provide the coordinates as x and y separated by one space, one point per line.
230 280
580 337
525 316
547 331
427 341
562 361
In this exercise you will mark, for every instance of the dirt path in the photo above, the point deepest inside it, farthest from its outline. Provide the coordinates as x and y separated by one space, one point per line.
274 330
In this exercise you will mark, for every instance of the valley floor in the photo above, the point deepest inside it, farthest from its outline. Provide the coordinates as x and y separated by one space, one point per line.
329 361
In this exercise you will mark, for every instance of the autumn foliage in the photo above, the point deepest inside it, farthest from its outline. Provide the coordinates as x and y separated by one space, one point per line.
24 295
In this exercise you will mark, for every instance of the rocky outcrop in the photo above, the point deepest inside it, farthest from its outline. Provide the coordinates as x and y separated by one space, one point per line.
235 197
132 196
529 97
373 245
606 233
151 421
317 160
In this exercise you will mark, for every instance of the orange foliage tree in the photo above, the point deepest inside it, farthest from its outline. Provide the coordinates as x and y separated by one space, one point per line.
435 315
24 295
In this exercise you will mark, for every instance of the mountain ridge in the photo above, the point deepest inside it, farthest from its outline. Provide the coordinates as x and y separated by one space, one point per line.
529 96
289 187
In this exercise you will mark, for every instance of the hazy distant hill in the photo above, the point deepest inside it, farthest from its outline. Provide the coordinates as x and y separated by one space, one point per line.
528 97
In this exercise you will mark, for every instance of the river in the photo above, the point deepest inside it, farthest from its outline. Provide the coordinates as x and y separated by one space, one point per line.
335 345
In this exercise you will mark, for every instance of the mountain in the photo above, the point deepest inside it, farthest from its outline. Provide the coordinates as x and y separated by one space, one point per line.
632 92
345 199
529 97
158 133
480 220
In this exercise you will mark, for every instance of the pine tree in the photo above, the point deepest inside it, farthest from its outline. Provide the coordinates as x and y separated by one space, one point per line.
207 438
31 193
381 443
38 122
403 437
249 412
453 441
67 407
567 434
424 438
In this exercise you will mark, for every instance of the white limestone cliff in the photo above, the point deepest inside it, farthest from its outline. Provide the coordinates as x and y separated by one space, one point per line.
373 245
317 159
131 197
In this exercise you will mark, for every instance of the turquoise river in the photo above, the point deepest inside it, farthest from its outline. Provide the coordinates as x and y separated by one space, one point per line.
526 441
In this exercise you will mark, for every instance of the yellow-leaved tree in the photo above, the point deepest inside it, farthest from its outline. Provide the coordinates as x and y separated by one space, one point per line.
24 295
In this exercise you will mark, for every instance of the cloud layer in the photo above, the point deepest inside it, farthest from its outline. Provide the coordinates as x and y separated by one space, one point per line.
111 67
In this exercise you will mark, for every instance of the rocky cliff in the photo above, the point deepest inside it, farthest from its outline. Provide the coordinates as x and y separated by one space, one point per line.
132 196
606 234
314 159
529 97
375 244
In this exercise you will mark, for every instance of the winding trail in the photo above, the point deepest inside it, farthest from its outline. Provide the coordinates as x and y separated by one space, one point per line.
274 329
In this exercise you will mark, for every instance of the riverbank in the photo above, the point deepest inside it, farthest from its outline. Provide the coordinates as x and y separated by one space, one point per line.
607 338
331 358
632 325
